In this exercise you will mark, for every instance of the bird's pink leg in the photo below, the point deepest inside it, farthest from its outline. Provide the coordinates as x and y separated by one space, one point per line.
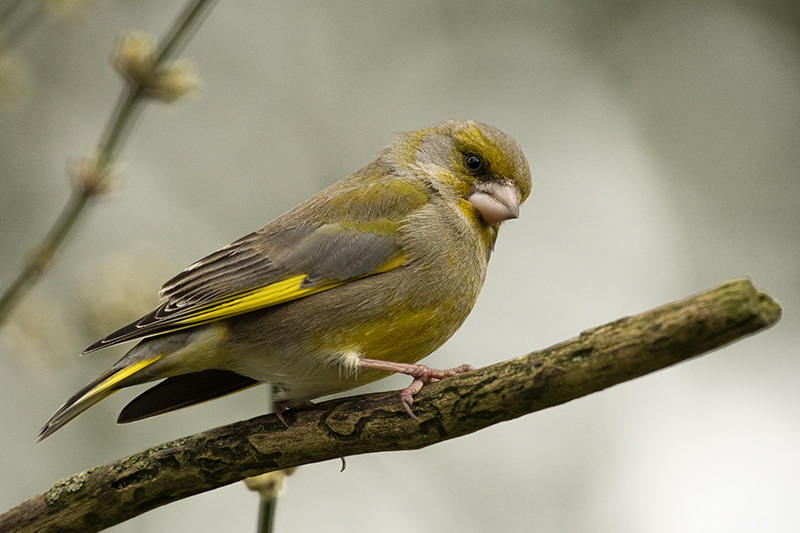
422 376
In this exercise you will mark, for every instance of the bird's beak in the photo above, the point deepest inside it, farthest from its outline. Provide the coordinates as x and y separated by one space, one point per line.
496 201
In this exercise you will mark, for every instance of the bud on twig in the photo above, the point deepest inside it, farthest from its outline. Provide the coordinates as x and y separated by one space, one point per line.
174 82
135 58
269 485
91 177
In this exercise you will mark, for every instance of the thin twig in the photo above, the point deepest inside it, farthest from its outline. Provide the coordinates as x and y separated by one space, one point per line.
182 30
601 357
268 505
43 256
119 125
266 515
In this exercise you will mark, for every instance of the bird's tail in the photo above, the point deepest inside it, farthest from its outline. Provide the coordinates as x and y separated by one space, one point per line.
101 388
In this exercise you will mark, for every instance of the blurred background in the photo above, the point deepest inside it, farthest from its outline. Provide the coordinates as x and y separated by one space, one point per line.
664 142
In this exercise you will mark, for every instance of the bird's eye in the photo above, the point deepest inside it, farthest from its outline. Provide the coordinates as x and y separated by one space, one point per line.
474 162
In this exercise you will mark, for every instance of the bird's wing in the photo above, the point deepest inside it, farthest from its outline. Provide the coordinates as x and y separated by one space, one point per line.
283 261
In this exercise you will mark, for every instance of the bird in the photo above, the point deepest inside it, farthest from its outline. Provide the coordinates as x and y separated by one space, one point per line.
362 280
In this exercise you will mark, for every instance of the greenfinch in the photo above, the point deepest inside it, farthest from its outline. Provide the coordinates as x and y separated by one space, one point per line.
362 280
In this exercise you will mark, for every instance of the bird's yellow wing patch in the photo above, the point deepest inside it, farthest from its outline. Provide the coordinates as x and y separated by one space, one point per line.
107 384
103 387
276 293
273 294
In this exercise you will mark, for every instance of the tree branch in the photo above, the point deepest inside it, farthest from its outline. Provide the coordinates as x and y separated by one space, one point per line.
598 358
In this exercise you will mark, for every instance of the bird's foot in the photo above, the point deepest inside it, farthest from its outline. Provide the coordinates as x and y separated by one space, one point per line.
422 375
